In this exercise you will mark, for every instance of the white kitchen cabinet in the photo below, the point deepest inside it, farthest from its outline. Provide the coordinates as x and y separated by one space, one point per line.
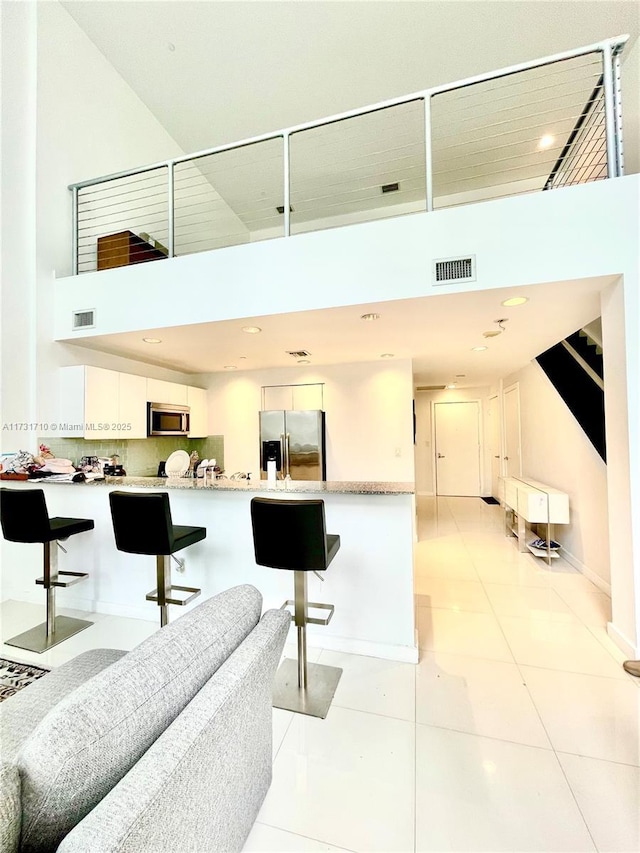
160 391
308 397
132 408
101 403
293 397
96 403
198 412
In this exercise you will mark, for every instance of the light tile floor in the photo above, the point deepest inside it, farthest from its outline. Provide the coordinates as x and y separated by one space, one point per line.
517 731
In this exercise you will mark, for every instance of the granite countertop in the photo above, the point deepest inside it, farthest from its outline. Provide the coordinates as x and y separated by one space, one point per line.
224 485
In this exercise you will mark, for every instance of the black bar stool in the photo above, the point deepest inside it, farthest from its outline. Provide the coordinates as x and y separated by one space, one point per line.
291 534
142 525
24 517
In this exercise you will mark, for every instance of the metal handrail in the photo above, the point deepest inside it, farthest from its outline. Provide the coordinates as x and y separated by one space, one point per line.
609 48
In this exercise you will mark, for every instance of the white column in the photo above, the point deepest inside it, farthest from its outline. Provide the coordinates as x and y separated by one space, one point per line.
620 323
18 230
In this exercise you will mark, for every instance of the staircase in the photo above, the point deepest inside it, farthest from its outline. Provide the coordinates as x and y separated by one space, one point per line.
575 368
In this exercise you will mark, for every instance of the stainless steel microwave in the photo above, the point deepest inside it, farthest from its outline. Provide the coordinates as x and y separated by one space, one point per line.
167 419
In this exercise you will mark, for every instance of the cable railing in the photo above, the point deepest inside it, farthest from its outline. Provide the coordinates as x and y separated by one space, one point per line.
539 125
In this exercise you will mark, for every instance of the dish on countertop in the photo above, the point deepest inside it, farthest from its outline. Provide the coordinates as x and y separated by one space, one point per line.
177 464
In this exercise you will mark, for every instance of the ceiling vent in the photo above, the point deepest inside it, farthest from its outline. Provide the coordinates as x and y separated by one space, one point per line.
390 188
84 319
431 387
454 270
300 353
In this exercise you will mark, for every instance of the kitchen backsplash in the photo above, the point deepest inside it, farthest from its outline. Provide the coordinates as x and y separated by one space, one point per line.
139 457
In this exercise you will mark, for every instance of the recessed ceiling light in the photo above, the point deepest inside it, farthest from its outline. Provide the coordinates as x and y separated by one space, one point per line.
451 386
242 357
515 300
461 375
492 334
251 330
303 361
230 367
152 340
369 316
478 349
387 355
546 141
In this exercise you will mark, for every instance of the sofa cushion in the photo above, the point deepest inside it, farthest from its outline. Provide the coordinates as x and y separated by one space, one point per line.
10 809
89 741
21 713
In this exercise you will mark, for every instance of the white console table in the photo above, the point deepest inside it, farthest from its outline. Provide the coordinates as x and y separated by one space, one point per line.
529 502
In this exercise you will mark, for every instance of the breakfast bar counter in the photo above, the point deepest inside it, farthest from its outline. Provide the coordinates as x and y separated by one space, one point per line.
370 581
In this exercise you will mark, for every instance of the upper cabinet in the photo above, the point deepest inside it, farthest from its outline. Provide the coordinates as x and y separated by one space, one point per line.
296 397
159 391
198 412
98 403
133 404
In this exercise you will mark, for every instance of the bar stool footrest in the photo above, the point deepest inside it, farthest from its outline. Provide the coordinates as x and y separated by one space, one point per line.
312 620
36 639
78 576
153 595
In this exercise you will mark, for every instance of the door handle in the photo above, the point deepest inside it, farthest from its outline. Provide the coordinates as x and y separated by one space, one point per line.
506 458
440 455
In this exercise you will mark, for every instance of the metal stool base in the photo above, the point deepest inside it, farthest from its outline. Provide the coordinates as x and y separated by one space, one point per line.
37 640
314 700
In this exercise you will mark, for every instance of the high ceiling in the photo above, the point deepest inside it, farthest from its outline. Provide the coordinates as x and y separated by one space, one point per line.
216 72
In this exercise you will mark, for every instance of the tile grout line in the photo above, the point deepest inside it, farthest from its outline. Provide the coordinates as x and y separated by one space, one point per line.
544 728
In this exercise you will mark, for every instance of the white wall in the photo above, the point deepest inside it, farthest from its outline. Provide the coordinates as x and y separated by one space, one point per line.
18 197
368 417
89 122
556 451
424 448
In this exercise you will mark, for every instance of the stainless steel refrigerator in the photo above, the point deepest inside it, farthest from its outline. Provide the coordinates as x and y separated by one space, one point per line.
296 440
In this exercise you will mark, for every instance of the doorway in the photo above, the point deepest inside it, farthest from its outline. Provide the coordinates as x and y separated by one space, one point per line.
457 448
495 440
512 452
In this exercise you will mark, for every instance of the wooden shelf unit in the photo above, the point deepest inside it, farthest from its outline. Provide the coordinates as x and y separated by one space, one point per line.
124 248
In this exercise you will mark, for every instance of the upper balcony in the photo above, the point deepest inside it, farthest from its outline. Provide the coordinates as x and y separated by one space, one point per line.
548 123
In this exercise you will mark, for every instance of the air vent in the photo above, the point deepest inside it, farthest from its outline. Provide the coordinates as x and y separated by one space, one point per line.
453 270
390 188
280 208
84 319
431 387
300 353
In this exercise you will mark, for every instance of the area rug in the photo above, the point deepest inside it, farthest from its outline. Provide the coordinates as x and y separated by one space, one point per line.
491 501
14 676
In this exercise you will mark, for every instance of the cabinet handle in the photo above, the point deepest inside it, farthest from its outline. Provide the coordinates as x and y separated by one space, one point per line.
497 457
440 455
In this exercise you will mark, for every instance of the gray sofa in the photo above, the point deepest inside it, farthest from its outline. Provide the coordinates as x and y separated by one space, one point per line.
164 748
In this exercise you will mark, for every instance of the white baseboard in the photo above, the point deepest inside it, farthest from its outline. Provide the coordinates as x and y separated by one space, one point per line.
622 642
586 571
402 654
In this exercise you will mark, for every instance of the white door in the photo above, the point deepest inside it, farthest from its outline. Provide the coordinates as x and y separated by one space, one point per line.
494 443
513 465
457 446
